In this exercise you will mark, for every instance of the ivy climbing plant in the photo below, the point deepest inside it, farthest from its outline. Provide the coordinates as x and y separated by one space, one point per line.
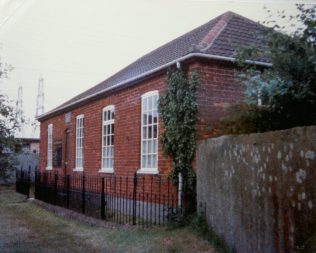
178 111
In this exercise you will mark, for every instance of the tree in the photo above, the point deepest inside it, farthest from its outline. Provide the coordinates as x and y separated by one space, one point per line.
8 125
284 95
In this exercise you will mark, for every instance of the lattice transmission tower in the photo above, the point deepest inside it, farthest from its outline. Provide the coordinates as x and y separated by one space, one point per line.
40 97
39 106
19 112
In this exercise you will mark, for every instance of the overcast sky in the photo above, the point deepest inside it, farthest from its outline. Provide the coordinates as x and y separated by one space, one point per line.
75 44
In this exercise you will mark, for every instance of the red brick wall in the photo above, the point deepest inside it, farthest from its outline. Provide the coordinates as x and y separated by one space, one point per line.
127 131
217 88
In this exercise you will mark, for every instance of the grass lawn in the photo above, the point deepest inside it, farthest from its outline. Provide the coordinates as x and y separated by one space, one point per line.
28 227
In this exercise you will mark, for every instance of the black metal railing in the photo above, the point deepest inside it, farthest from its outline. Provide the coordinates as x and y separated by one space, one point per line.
140 199
23 181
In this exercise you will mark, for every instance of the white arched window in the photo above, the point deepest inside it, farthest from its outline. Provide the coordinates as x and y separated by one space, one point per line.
49 147
149 133
79 142
107 152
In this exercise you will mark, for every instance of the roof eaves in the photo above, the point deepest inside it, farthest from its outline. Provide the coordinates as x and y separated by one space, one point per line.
141 76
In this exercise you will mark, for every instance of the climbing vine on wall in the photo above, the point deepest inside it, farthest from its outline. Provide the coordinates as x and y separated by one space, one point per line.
178 111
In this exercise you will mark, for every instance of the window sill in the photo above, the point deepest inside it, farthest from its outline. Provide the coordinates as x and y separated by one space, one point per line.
148 171
106 171
77 170
49 168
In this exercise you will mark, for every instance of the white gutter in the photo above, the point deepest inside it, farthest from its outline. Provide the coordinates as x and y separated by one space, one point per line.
183 58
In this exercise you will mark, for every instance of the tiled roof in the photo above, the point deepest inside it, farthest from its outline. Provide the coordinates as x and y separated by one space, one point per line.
219 37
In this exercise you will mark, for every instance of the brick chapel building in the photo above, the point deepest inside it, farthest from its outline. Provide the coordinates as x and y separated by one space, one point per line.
114 127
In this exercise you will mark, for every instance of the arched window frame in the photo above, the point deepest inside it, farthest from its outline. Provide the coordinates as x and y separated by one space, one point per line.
49 165
107 146
79 155
149 133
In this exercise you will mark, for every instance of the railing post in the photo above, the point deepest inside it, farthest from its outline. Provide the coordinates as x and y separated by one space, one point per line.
134 198
102 200
28 182
180 191
55 188
35 174
16 179
45 178
67 189
35 182
83 194
22 182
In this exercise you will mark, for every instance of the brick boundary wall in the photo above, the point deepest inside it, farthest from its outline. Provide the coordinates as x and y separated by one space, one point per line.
258 191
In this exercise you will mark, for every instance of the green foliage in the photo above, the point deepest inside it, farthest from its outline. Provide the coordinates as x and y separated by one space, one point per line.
178 111
179 219
8 124
287 90
246 118
199 225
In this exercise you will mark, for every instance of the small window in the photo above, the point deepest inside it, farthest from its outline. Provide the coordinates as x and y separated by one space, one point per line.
57 155
79 143
49 147
107 157
67 118
149 133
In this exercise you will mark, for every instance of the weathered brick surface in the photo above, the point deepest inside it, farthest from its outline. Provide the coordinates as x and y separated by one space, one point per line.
217 88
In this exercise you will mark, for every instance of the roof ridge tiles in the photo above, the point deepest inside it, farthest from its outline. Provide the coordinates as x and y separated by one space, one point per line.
215 31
